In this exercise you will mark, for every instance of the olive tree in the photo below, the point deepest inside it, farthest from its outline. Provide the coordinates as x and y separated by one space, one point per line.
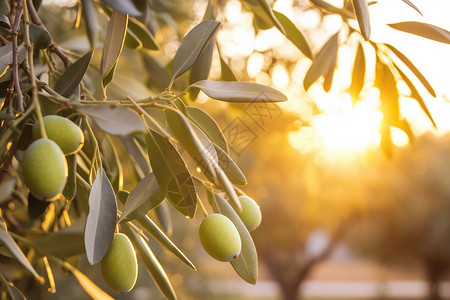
145 145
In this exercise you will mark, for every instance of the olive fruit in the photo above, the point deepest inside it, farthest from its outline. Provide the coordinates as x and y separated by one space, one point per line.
119 265
44 169
219 237
250 214
64 132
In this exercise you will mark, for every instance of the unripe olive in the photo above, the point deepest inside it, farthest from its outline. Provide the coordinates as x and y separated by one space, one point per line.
44 169
219 237
250 214
119 265
64 132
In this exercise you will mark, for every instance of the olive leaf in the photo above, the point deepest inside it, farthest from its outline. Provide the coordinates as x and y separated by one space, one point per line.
172 174
424 30
4 21
6 188
387 84
114 40
39 36
246 264
202 152
6 59
143 34
93 290
238 91
358 74
131 41
90 18
361 9
145 196
413 68
164 217
192 46
64 243
72 77
265 5
324 60
36 207
230 168
17 253
123 6
294 35
208 125
148 225
113 119
413 6
102 218
226 74
152 264
416 95
11 290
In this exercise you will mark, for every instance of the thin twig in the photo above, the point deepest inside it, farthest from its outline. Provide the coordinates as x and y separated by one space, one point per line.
15 64
53 47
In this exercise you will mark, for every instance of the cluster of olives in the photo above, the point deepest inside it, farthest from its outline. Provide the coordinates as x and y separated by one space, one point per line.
220 237
44 163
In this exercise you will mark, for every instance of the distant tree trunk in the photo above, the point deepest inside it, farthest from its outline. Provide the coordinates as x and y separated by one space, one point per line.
434 272
289 275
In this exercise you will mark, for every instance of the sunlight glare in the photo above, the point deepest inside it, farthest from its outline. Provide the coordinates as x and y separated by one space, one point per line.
280 77
399 138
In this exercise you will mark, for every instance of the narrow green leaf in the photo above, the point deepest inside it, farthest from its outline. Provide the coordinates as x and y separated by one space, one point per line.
386 82
324 60
246 264
90 18
415 94
226 74
65 243
200 68
6 188
72 77
102 218
230 168
123 6
413 68
145 196
294 35
424 30
137 154
93 290
192 46
332 9
208 125
113 119
268 10
152 264
413 6
132 41
328 78
114 40
260 17
148 225
164 217
159 76
228 188
11 245
39 36
70 190
358 74
6 59
203 154
11 290
142 33
172 174
4 21
361 9
239 91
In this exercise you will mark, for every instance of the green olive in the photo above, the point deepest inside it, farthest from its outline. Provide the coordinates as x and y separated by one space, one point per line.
251 213
119 265
219 237
44 169
64 132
